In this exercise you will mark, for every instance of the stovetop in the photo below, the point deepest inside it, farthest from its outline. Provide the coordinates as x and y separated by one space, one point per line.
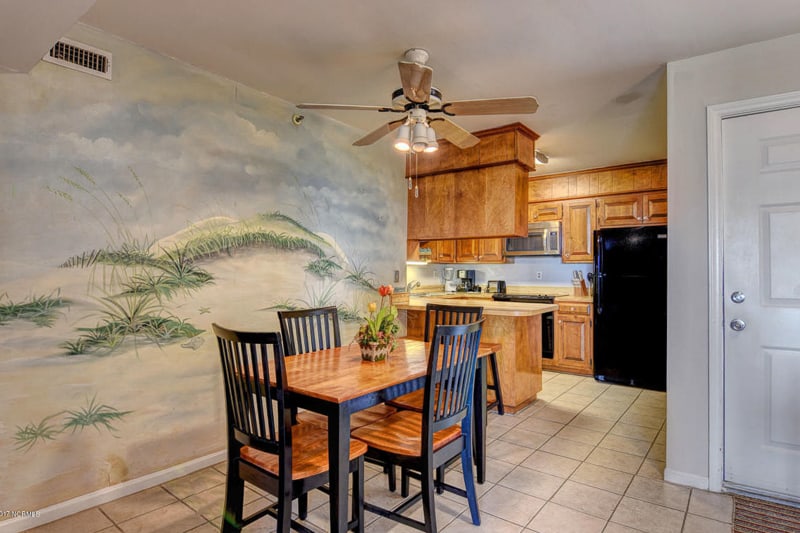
523 298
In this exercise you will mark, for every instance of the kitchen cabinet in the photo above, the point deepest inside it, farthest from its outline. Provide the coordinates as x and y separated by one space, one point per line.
573 338
485 199
513 143
578 224
479 251
622 179
441 251
544 211
632 210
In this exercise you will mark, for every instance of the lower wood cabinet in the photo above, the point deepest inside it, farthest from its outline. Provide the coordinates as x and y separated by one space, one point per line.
573 338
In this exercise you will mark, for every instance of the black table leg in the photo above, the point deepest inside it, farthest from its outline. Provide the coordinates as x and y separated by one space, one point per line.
479 410
339 460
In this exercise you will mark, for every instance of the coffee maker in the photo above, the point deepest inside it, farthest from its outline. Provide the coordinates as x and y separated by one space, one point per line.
466 280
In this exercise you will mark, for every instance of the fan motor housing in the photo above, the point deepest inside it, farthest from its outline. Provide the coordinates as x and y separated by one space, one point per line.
400 102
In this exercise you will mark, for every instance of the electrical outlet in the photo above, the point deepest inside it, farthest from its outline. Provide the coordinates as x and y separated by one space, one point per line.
396 276
539 275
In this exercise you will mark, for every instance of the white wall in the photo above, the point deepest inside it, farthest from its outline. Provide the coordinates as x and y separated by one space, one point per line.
751 71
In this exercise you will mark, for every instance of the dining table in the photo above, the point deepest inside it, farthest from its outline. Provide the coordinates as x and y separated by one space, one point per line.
336 382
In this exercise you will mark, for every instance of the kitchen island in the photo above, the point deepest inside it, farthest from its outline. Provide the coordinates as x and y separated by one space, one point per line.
516 327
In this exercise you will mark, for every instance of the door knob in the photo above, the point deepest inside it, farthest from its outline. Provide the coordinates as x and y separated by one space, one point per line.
737 324
737 297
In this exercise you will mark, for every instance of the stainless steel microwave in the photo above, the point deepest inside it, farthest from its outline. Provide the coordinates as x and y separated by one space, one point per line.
544 238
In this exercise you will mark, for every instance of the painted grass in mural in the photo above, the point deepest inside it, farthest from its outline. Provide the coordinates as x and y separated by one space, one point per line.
98 416
41 310
139 280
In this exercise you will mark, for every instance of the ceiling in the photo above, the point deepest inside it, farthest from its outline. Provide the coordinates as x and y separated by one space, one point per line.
598 68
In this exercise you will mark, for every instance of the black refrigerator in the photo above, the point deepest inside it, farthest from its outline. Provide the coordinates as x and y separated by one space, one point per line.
630 306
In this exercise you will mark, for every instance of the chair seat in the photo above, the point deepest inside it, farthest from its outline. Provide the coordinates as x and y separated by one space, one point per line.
309 452
357 420
400 434
410 402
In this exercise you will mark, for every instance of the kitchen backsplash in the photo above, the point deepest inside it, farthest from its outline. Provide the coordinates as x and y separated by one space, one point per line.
521 273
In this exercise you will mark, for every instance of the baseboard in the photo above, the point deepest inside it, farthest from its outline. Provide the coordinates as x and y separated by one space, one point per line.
682 478
107 494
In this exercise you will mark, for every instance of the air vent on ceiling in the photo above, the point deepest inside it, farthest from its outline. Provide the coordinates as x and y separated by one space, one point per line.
80 57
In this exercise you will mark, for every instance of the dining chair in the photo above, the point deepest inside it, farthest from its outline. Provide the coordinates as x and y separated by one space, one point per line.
440 314
309 330
264 448
422 442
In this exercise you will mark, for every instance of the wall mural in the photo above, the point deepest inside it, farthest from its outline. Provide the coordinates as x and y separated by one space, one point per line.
137 212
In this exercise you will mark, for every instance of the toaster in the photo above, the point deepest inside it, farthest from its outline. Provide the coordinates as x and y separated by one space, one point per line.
496 286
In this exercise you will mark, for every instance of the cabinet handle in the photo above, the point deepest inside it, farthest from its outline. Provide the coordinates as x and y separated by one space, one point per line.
646 218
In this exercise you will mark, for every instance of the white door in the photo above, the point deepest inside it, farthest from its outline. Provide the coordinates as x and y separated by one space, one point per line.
761 282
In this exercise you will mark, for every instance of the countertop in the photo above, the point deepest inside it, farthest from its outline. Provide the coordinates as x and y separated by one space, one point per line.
490 307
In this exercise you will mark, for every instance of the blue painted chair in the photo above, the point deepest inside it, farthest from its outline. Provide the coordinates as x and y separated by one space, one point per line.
420 443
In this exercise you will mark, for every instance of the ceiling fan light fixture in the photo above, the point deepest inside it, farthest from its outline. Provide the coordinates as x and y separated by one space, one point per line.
420 139
432 145
401 143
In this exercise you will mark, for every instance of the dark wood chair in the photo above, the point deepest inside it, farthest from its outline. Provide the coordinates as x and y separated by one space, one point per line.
438 314
423 442
309 330
264 447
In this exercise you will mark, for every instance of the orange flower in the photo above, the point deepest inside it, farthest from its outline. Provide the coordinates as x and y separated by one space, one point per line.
385 290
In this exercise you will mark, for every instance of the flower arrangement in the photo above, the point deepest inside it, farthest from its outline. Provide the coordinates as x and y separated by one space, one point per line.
377 336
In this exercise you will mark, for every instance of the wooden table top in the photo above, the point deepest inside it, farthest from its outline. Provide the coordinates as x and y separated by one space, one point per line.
339 374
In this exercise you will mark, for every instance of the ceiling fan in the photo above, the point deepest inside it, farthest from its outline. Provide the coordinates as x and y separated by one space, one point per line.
418 100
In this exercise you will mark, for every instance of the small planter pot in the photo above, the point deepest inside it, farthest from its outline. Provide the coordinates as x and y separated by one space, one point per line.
374 352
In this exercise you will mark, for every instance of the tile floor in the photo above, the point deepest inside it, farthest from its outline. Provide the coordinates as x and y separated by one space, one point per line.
585 457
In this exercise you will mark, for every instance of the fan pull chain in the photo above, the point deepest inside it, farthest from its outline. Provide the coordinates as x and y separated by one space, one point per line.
416 175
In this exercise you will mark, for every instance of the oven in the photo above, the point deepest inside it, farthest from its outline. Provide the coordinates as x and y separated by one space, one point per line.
548 320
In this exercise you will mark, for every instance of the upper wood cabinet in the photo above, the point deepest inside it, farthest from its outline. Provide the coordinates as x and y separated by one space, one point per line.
632 210
622 179
577 245
544 211
480 192
513 143
479 251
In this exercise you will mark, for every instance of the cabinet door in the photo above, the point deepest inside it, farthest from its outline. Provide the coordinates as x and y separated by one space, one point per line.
654 206
619 210
573 343
479 251
467 250
544 211
445 251
431 216
491 251
578 227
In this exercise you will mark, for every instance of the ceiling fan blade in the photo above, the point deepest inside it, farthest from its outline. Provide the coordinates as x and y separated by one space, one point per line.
416 80
345 107
376 134
453 133
493 106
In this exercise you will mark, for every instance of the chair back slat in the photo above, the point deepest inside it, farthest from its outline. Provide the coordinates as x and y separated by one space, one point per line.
309 330
451 372
449 315
257 413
